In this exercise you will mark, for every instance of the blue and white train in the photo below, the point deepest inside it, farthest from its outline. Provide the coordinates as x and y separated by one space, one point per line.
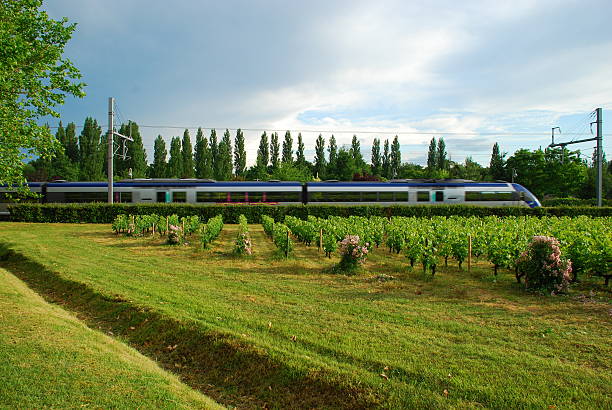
202 191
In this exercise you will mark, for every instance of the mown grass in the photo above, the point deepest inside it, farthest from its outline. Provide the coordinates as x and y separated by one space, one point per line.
461 339
49 359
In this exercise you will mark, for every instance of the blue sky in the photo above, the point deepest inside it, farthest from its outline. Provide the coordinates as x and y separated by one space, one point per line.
473 72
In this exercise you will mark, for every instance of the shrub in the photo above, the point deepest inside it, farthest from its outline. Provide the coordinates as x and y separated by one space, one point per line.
175 235
352 254
543 266
211 230
243 240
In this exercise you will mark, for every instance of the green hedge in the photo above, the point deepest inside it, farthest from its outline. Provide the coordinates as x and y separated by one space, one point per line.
105 213
574 202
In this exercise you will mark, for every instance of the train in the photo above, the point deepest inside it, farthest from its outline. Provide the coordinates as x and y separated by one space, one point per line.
206 191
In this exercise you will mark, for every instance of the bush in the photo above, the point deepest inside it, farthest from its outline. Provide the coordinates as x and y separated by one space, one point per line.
211 230
352 254
543 267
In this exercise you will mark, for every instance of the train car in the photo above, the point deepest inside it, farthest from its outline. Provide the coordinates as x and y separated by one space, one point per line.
204 191
421 192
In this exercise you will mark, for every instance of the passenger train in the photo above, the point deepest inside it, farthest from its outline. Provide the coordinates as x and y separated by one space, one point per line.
203 191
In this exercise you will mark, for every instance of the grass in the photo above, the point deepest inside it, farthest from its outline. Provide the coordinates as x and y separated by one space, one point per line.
263 330
50 359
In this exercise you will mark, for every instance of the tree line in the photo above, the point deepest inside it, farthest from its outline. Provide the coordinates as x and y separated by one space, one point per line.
556 172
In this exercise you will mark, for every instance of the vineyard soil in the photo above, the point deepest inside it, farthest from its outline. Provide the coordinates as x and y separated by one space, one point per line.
460 339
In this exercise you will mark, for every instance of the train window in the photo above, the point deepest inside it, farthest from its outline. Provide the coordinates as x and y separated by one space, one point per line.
86 197
179 196
439 196
255 196
422 196
335 196
125 197
238 196
385 197
369 196
282 197
488 196
211 196
161 196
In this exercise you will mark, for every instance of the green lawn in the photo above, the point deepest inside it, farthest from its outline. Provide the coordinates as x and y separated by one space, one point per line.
48 358
264 330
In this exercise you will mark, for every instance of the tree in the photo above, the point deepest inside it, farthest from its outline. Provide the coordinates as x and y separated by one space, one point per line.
468 170
386 161
224 162
356 153
187 152
90 151
376 159
287 148
274 151
239 154
395 159
497 166
300 159
332 165
214 152
72 143
34 79
441 160
291 172
432 157
263 153
346 165
175 164
137 155
319 161
202 157
158 168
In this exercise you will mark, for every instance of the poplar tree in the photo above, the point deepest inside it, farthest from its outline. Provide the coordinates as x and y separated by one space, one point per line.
395 158
159 166
319 161
274 151
386 161
239 154
137 160
263 153
288 148
187 153
432 157
72 143
175 164
214 151
497 164
300 159
356 153
332 166
441 159
203 158
60 165
90 152
224 162
376 159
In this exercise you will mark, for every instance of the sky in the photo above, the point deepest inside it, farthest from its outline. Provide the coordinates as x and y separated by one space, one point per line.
472 72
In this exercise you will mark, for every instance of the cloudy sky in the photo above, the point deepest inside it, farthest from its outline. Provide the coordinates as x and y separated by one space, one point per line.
473 72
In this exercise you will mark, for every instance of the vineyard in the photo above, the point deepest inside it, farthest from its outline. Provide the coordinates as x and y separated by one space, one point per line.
428 242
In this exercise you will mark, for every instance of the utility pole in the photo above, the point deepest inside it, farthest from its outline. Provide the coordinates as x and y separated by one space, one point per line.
599 156
599 159
110 152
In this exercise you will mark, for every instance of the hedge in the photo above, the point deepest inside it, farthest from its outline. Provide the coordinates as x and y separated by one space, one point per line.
105 213
574 202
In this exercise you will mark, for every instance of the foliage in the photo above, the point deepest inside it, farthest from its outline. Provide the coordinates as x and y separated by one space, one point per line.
543 266
274 151
187 156
211 230
352 254
159 166
34 79
239 154
243 244
175 164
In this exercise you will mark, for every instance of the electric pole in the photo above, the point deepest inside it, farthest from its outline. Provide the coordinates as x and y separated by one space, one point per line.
110 152
599 156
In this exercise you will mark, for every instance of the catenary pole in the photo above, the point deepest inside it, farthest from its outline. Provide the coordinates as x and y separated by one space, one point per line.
599 156
109 152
